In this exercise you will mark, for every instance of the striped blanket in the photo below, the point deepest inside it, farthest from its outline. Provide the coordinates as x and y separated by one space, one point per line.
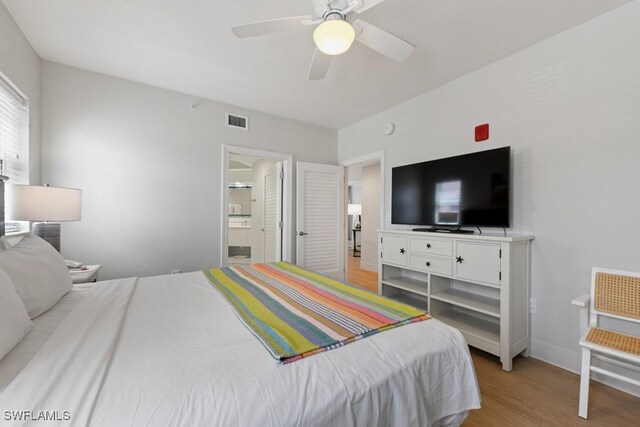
296 313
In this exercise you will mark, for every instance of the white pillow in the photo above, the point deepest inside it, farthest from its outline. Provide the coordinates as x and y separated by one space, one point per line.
14 320
38 272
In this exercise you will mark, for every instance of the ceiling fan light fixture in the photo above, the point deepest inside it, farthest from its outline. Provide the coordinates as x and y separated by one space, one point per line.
334 36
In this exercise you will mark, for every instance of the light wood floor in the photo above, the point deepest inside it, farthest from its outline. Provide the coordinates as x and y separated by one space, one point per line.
534 393
538 394
358 276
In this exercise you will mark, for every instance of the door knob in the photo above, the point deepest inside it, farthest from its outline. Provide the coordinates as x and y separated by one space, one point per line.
402 250
302 233
428 264
459 259
428 245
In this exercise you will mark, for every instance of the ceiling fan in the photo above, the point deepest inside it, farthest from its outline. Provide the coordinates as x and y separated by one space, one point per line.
336 30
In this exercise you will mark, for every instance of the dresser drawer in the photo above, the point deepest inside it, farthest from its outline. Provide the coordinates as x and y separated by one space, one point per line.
431 246
431 264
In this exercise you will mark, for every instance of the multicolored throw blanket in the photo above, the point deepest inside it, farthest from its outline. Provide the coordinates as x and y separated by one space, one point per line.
296 313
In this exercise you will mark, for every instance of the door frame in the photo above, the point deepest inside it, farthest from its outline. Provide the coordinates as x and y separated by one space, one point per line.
377 156
287 201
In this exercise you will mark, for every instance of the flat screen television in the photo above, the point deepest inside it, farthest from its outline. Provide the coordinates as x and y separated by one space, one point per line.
471 190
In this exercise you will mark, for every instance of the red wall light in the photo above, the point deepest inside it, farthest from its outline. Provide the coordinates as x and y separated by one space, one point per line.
482 132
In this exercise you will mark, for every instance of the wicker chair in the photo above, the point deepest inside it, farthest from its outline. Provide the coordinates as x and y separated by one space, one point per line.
614 294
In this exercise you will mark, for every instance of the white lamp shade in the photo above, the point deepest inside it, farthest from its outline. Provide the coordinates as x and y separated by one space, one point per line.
354 209
35 203
334 37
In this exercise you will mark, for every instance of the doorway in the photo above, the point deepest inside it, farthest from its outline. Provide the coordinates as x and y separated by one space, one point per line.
365 208
256 206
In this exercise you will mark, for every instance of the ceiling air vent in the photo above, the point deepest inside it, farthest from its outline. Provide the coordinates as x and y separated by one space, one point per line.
237 122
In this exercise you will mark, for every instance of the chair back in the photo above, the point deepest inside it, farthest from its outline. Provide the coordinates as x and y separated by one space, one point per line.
615 294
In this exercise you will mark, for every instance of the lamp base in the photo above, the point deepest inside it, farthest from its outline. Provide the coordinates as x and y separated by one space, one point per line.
49 232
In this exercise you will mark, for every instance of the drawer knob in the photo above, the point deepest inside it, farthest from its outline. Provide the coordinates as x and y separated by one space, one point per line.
428 245
459 259
428 264
402 250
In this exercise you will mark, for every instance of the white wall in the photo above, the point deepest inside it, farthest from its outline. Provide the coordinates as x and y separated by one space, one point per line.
21 64
240 175
149 167
370 216
570 109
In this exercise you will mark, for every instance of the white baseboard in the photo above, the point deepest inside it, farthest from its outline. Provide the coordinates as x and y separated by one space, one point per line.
570 360
554 355
369 266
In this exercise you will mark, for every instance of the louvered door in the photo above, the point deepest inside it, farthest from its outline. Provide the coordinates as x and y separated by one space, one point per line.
320 215
270 217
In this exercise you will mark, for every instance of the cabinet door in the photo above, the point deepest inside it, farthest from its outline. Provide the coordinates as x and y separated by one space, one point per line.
478 261
239 236
394 249
235 237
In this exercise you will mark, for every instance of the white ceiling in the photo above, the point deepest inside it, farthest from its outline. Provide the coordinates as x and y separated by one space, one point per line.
187 46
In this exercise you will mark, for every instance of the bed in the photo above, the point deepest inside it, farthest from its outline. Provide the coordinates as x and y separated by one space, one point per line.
169 350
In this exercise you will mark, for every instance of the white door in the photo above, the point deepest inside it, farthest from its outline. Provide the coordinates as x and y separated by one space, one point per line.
272 230
266 210
320 218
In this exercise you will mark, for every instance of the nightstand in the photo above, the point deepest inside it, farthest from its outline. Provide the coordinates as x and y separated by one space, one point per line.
89 274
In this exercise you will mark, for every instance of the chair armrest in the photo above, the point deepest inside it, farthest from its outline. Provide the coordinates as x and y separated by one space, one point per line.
582 300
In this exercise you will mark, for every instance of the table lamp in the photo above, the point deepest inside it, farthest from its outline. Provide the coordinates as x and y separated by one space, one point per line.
355 209
47 206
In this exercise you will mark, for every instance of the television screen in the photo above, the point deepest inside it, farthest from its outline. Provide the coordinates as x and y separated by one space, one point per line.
467 190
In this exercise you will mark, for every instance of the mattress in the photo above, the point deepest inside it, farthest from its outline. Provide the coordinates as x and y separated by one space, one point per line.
168 350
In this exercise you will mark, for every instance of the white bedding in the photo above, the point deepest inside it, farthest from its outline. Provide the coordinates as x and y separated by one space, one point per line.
43 326
168 350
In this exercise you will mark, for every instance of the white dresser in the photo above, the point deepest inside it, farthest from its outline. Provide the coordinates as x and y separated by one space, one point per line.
478 284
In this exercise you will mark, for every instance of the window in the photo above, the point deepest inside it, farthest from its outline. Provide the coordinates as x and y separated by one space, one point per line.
14 138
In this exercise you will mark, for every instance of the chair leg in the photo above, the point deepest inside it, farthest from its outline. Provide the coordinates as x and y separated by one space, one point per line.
584 383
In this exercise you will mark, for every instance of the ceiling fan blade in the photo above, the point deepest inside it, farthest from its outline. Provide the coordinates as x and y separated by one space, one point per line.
382 41
271 26
319 65
366 5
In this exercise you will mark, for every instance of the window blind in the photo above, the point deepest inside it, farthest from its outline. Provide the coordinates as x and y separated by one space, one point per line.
14 134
